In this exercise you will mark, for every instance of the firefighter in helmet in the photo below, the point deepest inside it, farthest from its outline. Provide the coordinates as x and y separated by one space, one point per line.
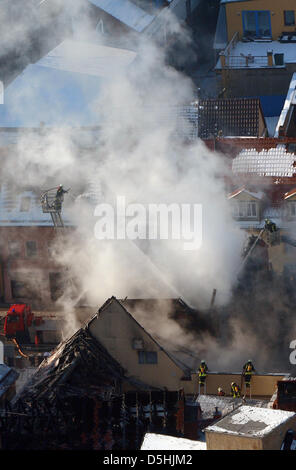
221 392
202 372
59 197
248 370
235 390
270 226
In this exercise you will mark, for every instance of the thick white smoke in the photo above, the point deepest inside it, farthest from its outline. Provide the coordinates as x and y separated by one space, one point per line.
142 157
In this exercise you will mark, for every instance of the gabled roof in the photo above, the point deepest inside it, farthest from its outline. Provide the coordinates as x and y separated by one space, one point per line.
97 370
290 193
231 117
121 303
257 195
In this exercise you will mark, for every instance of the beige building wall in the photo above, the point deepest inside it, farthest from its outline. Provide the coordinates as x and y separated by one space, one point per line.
274 440
262 385
219 441
276 8
116 330
271 441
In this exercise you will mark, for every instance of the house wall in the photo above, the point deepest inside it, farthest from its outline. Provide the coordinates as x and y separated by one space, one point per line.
271 441
115 329
262 385
274 440
220 441
20 267
276 8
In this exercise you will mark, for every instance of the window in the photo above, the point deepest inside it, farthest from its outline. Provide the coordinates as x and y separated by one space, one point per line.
25 204
31 249
14 249
292 209
289 17
19 289
56 285
257 24
147 357
245 209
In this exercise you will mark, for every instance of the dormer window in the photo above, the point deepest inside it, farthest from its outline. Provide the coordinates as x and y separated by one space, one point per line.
245 209
291 206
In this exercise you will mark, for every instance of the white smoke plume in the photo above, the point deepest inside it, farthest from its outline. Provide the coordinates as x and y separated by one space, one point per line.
139 156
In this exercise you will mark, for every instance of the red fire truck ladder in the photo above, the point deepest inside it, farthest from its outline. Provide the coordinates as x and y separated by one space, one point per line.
50 205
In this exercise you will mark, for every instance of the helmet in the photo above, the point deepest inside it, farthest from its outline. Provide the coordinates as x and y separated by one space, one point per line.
60 185
232 383
219 389
203 361
249 360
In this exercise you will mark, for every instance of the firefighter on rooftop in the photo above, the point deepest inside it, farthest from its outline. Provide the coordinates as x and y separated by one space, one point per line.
235 390
248 370
270 226
202 373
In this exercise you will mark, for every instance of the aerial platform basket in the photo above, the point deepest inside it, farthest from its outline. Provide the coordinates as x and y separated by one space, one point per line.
52 205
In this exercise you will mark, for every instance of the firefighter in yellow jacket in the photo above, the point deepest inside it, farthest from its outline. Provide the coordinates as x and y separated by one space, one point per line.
235 390
202 373
248 371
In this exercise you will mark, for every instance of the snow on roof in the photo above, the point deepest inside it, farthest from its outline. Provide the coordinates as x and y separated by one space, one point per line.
289 99
126 12
290 193
272 162
257 195
163 442
70 78
88 58
251 421
258 49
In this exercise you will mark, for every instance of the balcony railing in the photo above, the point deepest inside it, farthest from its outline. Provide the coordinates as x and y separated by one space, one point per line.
245 61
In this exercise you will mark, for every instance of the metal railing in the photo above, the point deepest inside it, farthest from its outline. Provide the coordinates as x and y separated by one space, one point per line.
243 61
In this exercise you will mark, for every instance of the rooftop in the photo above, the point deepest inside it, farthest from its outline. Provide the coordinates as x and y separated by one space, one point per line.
249 421
71 78
126 12
162 442
273 162
234 117
256 51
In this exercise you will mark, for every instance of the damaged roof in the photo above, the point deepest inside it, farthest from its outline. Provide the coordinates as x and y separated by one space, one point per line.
80 365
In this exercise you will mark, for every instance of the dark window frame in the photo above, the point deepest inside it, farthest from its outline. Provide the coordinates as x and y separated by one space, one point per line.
147 357
256 12
287 23
30 251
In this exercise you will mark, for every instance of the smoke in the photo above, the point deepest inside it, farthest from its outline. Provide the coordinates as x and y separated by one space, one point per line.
140 155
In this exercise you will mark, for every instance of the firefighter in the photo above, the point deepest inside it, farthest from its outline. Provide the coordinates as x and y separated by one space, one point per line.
221 392
270 226
202 372
248 370
59 197
235 390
